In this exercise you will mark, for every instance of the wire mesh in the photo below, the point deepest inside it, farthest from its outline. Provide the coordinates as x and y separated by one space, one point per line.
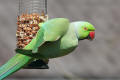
32 6
30 14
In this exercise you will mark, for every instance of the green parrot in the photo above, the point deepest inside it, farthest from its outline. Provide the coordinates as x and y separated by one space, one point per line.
56 38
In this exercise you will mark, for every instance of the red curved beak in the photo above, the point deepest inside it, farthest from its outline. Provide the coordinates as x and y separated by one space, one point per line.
92 35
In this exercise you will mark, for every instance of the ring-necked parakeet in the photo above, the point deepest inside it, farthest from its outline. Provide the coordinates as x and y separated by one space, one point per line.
56 37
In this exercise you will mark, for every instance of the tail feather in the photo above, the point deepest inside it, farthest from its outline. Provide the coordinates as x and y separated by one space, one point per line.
13 65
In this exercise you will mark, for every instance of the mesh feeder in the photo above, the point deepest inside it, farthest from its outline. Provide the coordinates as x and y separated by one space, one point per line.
30 14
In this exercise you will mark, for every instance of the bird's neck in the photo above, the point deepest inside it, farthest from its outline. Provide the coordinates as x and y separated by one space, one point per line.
75 30
71 33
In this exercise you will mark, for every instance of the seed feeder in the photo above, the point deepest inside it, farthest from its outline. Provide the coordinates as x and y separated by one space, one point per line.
30 14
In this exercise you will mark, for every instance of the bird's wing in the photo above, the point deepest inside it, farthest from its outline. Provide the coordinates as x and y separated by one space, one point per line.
51 30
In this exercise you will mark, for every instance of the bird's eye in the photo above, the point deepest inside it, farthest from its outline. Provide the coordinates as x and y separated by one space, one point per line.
85 28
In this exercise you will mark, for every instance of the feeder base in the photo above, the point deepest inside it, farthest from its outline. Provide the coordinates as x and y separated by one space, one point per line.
38 64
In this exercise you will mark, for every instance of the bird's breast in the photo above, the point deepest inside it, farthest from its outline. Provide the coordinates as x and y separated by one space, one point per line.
53 50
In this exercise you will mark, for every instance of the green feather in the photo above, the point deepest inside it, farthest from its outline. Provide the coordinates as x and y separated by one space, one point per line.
56 38
13 65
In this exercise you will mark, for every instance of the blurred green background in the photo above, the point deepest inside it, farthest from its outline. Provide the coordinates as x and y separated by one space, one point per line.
97 59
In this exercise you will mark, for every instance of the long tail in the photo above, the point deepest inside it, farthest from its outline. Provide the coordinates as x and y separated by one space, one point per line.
13 65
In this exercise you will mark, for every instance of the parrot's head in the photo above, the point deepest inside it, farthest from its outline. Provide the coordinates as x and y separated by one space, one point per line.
84 30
